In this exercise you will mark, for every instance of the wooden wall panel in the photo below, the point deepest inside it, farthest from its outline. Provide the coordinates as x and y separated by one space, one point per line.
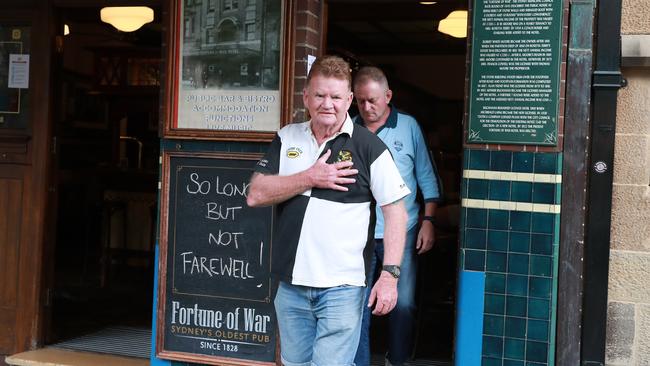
11 197
24 173
7 330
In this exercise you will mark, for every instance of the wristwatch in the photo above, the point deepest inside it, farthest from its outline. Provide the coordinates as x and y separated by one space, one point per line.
432 219
392 269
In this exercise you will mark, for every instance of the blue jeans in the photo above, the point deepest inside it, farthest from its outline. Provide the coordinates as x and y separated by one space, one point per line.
319 326
401 320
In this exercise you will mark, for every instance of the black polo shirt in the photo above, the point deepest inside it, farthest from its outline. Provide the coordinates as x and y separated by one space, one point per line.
323 237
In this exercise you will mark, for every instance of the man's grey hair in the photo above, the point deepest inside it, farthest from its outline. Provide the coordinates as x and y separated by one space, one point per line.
370 73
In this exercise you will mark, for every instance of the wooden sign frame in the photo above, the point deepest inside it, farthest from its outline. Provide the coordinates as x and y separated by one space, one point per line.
240 118
161 351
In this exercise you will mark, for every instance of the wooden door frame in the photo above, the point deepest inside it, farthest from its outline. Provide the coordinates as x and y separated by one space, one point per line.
34 164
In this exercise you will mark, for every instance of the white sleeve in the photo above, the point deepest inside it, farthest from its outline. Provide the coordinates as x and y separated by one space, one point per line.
386 183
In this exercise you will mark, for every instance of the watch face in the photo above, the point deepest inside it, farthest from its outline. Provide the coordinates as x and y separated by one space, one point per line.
393 270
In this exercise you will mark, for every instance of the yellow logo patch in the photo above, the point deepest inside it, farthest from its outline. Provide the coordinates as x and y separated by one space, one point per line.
293 152
344 155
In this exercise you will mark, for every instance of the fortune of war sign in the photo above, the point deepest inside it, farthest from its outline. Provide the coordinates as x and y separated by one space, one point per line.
515 72
215 299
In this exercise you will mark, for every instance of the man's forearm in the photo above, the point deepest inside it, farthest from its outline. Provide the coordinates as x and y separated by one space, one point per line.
430 208
395 218
266 190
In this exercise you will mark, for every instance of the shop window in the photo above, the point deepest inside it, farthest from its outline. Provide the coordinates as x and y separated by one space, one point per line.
188 28
250 32
230 5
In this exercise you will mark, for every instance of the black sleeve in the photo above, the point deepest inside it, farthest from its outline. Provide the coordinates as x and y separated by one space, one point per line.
270 163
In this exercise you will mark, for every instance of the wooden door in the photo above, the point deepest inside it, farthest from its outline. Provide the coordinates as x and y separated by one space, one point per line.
11 196
24 147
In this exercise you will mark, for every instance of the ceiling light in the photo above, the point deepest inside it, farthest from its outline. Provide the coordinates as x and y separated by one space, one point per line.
427 2
455 24
66 30
127 18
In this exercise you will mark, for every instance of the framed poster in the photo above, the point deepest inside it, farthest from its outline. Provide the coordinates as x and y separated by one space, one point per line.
14 76
215 295
226 70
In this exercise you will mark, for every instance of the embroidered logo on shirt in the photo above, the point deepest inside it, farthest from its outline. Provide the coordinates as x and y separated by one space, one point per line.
263 163
344 155
293 152
398 145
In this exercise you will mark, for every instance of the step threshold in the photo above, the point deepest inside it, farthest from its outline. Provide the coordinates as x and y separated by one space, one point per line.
57 357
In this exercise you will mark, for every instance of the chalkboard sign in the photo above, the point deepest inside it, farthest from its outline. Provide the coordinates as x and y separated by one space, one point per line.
215 296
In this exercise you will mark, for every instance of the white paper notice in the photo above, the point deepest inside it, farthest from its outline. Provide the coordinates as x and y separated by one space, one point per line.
18 71
310 61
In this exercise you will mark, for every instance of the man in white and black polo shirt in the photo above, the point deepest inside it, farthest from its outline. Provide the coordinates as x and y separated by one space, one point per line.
326 177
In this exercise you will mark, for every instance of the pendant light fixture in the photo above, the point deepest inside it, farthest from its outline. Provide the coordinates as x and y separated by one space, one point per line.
127 18
455 24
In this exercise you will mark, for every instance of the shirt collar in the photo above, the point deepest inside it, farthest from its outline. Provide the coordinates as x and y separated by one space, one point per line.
347 127
391 121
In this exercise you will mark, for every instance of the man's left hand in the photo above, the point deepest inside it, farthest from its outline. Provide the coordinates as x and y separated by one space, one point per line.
383 294
426 237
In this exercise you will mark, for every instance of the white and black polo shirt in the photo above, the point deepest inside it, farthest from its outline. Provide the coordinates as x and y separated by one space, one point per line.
323 237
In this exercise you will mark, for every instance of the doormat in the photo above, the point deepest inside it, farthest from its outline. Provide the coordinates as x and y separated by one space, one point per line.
123 341
136 342
378 360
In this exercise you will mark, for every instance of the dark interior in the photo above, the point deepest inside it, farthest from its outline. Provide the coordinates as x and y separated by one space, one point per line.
426 71
106 90
107 85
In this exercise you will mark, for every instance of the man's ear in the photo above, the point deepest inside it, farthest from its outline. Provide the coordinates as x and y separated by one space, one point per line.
389 95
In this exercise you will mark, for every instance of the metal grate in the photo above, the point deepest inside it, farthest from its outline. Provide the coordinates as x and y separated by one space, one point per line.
123 341
136 342
378 360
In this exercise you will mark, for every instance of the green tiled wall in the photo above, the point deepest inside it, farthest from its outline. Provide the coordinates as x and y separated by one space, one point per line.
516 248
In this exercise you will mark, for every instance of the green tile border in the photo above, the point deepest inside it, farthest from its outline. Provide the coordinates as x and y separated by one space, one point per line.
540 279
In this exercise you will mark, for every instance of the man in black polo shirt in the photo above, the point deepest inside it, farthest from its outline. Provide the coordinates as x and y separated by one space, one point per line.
326 176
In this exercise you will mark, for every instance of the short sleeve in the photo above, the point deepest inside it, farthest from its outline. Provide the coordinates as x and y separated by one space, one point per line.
270 163
386 182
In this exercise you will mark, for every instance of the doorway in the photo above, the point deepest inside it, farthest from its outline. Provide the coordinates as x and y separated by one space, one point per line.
106 101
426 72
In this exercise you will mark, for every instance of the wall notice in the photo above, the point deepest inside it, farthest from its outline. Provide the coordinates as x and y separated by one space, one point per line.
515 72
18 71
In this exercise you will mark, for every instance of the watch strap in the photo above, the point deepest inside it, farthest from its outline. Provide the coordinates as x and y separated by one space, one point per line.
432 219
394 270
